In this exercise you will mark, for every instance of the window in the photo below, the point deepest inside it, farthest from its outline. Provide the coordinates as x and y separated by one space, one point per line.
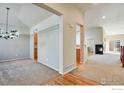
117 45
114 46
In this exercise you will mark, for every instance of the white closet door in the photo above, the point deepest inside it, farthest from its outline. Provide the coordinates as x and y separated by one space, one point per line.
48 47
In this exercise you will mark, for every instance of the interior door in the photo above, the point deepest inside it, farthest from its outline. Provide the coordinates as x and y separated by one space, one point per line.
35 46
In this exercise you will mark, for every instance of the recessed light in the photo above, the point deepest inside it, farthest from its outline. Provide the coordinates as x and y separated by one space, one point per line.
103 17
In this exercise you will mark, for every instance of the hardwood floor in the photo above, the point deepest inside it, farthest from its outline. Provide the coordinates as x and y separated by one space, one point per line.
71 79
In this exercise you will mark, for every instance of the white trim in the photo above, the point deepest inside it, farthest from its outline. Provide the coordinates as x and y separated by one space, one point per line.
14 59
49 66
61 45
69 70
72 68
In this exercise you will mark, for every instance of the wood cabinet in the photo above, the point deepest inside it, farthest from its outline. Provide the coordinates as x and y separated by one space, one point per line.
122 56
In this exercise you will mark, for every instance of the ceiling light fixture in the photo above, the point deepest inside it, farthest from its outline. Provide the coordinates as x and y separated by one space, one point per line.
5 33
103 17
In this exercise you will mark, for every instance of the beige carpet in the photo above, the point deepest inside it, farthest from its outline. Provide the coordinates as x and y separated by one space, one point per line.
25 72
104 69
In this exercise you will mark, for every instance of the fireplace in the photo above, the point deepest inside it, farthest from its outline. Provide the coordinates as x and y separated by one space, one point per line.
99 49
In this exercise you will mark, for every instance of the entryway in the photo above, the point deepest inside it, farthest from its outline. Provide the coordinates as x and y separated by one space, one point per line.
79 44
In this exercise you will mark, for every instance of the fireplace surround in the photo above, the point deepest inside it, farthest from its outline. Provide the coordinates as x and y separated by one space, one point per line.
99 49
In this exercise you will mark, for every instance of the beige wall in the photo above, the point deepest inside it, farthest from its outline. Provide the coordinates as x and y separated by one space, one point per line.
71 15
112 38
115 37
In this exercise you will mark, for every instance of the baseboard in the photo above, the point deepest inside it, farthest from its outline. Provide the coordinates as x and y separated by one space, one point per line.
69 68
61 73
49 66
14 59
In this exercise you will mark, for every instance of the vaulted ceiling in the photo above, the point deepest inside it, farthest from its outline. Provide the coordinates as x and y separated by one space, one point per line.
23 15
109 16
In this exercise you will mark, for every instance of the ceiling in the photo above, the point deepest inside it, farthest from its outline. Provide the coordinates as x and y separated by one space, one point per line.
28 15
23 15
113 21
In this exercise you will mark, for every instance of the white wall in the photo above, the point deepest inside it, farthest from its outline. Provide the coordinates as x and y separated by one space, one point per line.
48 47
51 21
31 46
78 38
77 35
96 34
22 29
115 28
16 48
48 42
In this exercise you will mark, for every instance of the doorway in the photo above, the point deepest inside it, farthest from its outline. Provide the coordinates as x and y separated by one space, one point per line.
35 47
79 44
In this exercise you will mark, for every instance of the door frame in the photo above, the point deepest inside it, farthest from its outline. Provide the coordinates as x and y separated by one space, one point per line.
81 43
